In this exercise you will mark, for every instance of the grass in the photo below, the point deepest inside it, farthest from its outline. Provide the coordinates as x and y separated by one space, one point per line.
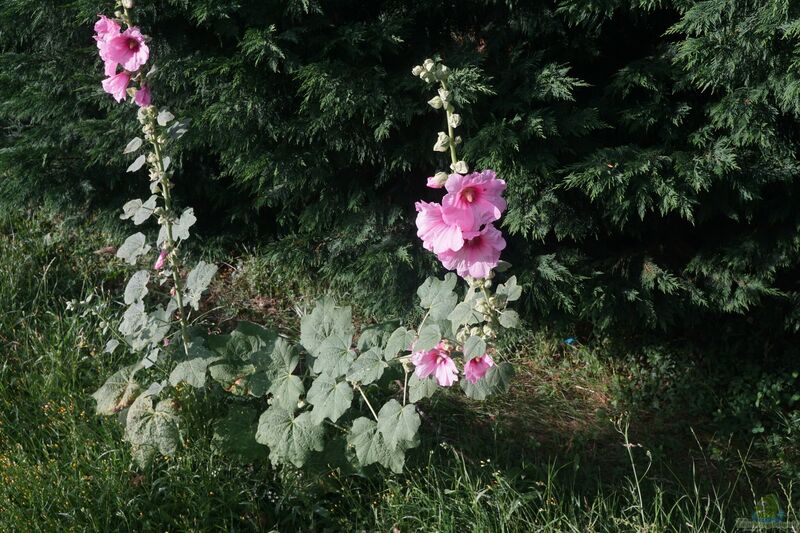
563 451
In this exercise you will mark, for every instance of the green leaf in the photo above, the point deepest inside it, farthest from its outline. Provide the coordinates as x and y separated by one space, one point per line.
509 290
179 129
421 388
429 337
496 381
118 392
324 321
137 163
370 446
193 370
244 341
133 145
474 347
111 346
285 387
329 398
197 282
334 356
376 335
290 439
132 248
180 227
398 423
152 428
136 289
438 296
465 313
235 435
139 211
368 368
165 117
400 341
509 319
239 378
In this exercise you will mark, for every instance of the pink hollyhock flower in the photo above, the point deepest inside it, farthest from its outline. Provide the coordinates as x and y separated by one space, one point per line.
161 261
117 85
105 28
478 256
437 362
142 96
473 200
437 236
127 49
476 368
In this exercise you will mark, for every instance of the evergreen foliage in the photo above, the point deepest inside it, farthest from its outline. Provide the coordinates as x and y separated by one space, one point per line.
650 146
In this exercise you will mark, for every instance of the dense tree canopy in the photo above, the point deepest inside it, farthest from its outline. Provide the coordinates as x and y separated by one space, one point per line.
650 146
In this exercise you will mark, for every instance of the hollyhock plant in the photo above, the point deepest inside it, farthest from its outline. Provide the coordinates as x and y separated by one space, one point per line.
127 49
437 236
476 368
437 362
117 85
473 200
478 256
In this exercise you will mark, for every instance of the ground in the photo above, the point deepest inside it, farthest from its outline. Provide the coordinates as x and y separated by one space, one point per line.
567 449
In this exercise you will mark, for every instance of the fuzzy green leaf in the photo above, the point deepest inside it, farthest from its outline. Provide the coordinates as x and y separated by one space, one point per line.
438 296
429 337
197 282
398 423
139 211
152 428
474 347
496 381
400 341
137 163
289 438
421 388
193 370
136 289
334 356
118 392
370 446
324 321
133 247
368 368
329 398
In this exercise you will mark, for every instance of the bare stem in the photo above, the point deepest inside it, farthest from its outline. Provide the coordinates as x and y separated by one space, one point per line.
358 388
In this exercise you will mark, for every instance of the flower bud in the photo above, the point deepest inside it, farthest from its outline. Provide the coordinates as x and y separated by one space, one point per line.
127 4
487 283
488 331
475 331
444 95
454 120
442 72
461 167
417 70
435 102
428 64
438 180
457 140
442 143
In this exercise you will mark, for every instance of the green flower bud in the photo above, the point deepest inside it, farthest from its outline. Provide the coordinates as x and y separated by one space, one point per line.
442 72
461 167
417 70
428 64
440 178
435 102
127 4
457 140
442 143
454 120
444 95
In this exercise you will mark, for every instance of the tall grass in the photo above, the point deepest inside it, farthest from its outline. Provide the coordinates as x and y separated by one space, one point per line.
545 458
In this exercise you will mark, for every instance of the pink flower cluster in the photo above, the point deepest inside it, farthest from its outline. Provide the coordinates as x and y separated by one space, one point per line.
127 49
460 230
439 363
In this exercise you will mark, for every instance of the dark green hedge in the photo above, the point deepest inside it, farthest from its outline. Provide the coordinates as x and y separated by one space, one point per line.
650 147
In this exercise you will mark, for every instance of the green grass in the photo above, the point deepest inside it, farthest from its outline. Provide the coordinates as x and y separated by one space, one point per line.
563 451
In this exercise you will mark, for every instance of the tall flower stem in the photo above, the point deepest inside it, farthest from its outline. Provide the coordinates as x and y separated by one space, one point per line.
450 130
171 255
